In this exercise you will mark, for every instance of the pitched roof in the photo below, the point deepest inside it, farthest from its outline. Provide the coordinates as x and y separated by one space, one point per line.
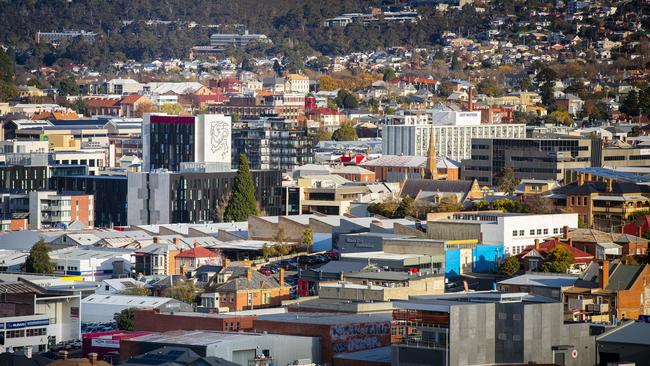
413 187
130 99
102 102
197 252
546 247
623 276
239 281
597 236
541 280
629 333
601 187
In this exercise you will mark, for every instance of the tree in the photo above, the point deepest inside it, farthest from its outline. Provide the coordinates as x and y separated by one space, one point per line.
561 117
124 319
242 203
67 86
280 237
136 291
172 108
630 105
186 292
547 93
526 84
307 238
345 133
537 204
327 83
558 260
506 180
490 88
449 204
322 134
38 260
8 91
389 74
345 99
403 208
509 267
267 251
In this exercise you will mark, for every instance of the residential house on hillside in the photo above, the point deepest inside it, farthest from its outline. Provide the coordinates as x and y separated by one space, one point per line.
604 245
190 260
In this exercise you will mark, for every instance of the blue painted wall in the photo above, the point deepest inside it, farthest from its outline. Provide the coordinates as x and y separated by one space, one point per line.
486 258
452 263
322 241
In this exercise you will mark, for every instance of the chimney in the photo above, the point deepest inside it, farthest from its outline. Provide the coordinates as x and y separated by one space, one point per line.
63 355
603 278
639 232
155 240
581 179
570 242
471 102
589 178
177 241
226 262
196 244
249 274
281 277
609 184
536 244
93 358
565 232
28 351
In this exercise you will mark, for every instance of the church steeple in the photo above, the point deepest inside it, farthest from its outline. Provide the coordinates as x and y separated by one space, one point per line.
432 163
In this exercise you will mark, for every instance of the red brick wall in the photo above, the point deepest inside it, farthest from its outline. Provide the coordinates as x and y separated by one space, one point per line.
152 321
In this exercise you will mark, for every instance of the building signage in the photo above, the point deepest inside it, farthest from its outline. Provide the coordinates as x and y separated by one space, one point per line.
27 323
105 343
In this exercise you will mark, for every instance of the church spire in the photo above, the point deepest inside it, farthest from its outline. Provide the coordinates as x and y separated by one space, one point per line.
432 163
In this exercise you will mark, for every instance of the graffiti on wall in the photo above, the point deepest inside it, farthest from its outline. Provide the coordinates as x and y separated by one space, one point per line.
359 337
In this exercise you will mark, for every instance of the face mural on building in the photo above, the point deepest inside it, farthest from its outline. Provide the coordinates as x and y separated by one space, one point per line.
220 139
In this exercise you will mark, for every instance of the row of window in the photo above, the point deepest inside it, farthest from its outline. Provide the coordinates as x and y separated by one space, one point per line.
545 231
35 332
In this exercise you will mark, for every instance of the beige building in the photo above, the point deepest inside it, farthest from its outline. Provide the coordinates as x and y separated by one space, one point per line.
382 286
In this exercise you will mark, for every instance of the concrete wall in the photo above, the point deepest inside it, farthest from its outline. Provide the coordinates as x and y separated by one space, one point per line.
443 230
472 334
352 243
153 197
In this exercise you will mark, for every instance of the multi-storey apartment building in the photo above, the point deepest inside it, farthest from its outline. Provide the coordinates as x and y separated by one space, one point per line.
168 141
48 209
271 142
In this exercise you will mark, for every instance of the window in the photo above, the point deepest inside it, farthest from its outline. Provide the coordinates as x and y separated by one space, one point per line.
514 233
545 231
532 231
521 233
539 231
584 201
555 230
15 333
36 332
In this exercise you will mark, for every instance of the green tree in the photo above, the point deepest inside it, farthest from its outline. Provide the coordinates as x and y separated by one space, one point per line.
322 134
506 180
67 86
509 266
38 260
526 84
558 260
546 92
8 91
389 74
449 204
345 133
307 238
345 99
490 88
173 109
630 105
124 319
561 117
242 203
186 292
403 208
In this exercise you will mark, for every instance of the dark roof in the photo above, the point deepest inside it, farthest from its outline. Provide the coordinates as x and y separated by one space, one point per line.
629 333
173 356
337 267
208 268
239 281
414 186
22 287
13 359
601 187
623 276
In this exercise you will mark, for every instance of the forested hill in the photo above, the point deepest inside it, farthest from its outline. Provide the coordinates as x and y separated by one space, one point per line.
126 30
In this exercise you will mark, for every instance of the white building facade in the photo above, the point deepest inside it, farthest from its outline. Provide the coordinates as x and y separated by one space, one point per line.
452 141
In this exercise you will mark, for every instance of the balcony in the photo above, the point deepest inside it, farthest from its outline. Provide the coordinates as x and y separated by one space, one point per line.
598 308
575 304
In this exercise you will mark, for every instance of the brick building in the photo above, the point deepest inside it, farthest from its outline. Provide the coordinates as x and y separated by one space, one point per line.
607 292
247 289
156 321
339 333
